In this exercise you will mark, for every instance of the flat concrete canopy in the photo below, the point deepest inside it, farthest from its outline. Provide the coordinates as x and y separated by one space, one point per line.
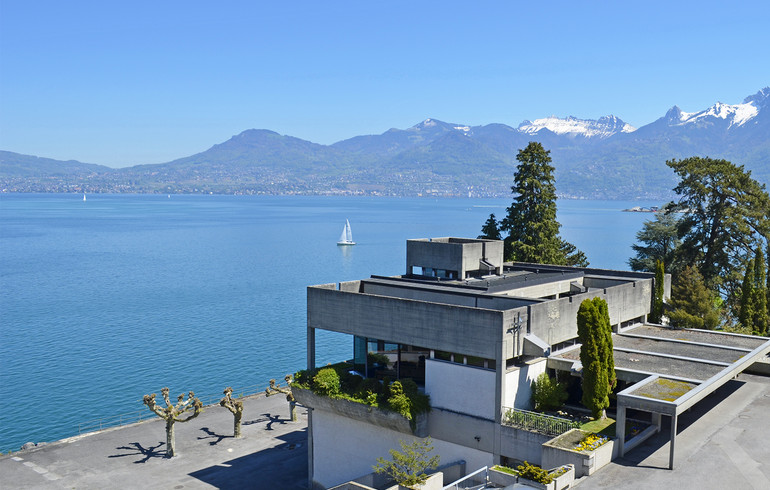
672 369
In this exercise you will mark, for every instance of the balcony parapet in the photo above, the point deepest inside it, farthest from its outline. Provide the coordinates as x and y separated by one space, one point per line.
364 413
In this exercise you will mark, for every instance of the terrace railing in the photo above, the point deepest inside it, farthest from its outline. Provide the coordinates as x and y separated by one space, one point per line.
537 422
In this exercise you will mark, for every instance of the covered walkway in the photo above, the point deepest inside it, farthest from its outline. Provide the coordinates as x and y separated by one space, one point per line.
672 370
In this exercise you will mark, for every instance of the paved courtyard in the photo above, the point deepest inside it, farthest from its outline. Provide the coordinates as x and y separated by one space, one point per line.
722 442
271 454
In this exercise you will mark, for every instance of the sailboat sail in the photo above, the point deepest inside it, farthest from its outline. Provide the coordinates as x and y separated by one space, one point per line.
346 238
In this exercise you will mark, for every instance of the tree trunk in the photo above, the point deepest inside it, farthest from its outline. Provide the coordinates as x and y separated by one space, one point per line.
170 438
293 411
237 425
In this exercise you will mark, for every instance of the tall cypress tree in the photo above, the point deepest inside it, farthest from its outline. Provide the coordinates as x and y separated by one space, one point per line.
595 336
767 287
533 232
657 298
760 294
605 330
746 313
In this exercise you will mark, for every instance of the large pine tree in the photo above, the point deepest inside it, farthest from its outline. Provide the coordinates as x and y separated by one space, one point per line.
490 230
533 232
725 214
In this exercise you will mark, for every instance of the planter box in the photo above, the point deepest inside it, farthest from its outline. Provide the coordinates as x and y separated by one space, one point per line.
565 480
501 477
534 484
364 413
585 462
434 482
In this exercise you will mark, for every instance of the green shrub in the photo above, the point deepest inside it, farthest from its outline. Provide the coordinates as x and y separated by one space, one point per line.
534 473
326 382
301 379
398 401
410 387
371 385
350 383
548 393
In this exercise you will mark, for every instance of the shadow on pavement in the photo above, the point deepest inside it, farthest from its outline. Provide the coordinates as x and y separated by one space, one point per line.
639 454
272 420
138 449
283 466
213 435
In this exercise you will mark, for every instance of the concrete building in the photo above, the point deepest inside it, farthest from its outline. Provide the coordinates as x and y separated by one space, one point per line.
473 332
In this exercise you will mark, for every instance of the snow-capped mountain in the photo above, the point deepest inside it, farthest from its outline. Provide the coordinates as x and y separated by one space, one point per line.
572 126
604 158
731 116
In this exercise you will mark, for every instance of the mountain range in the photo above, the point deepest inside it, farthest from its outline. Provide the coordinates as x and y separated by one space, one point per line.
604 158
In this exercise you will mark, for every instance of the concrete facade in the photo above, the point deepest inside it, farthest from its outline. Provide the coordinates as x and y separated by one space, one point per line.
487 327
463 256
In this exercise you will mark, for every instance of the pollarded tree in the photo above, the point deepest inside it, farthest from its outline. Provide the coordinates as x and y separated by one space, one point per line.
693 305
533 232
235 407
491 229
173 413
725 214
274 389
595 334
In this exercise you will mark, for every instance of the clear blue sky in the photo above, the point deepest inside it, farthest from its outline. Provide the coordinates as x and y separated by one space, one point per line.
124 83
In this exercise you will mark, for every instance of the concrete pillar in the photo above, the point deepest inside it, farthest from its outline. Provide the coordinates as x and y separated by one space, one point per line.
620 429
500 362
310 448
310 348
310 366
656 421
674 419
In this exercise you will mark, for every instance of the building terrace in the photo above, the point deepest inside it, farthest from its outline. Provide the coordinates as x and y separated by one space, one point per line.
474 332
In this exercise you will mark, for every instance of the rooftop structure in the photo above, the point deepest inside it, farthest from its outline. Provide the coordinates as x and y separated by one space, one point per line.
475 332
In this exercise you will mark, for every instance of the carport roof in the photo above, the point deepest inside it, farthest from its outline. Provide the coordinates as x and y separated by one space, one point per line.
677 367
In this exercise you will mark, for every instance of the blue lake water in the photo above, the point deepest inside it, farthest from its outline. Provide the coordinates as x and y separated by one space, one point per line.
106 300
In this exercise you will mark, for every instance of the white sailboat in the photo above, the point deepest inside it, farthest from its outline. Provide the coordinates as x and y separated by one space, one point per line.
84 196
346 238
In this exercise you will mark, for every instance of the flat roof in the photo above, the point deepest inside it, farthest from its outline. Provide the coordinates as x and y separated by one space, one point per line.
677 367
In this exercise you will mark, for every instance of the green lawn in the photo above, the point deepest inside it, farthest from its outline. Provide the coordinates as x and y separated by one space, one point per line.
605 427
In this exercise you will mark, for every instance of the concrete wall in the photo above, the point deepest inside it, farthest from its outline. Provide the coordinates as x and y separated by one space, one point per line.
518 384
522 445
455 254
345 449
552 288
470 331
474 433
556 320
448 296
436 254
460 388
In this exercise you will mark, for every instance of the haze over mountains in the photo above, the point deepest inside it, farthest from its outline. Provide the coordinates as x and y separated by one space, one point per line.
604 158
